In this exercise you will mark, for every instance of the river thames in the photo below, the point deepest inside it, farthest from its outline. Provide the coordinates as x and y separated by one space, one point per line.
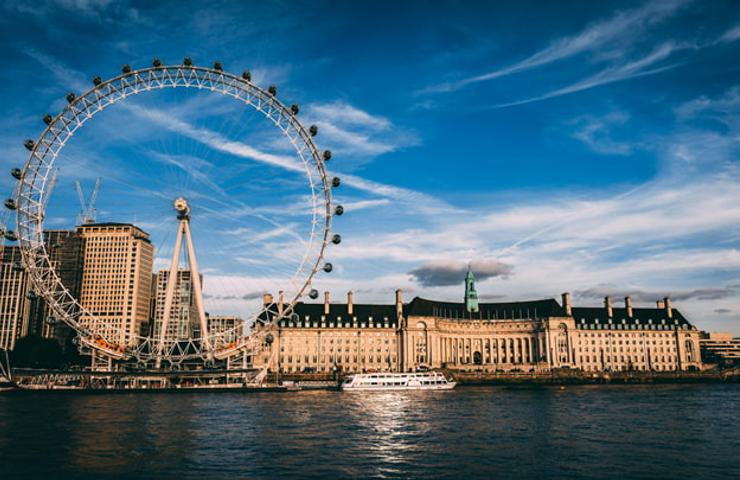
484 432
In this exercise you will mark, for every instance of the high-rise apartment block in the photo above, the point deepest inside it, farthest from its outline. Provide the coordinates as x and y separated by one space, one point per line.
183 322
14 299
65 249
116 280
228 328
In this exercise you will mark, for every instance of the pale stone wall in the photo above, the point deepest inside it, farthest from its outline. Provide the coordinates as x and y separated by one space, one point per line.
501 345
352 350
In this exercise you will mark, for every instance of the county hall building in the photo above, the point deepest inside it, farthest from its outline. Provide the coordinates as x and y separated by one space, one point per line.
529 336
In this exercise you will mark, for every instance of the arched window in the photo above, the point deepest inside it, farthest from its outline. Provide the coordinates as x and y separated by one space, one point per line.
562 342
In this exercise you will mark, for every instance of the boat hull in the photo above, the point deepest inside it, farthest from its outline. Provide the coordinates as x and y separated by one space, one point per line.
367 382
449 386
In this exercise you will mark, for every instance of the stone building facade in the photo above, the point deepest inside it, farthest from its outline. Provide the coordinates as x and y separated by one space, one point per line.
530 336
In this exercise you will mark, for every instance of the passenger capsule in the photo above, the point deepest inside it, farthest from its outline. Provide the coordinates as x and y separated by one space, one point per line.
313 293
126 68
70 97
97 80
51 320
11 235
16 173
327 154
10 205
339 210
156 63
313 130
335 182
187 61
269 338
247 76
336 239
294 109
29 144
218 66
272 90
328 267
47 119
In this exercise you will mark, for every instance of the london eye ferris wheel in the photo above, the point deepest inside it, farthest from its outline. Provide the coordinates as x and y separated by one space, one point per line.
278 206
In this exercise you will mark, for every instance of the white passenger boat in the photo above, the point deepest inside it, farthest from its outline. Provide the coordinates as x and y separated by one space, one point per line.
398 381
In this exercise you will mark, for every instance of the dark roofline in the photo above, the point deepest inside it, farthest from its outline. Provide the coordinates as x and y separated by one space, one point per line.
115 224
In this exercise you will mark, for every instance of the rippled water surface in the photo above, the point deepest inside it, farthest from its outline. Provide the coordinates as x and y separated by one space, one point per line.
485 432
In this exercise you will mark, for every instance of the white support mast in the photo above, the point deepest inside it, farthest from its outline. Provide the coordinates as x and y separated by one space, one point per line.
183 229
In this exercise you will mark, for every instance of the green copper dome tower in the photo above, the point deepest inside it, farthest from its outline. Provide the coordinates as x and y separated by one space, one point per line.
471 296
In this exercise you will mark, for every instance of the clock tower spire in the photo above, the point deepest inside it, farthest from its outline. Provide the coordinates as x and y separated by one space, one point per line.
471 296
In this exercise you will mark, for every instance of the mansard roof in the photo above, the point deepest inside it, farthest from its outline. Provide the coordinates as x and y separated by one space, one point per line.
364 313
361 311
585 317
486 311
640 316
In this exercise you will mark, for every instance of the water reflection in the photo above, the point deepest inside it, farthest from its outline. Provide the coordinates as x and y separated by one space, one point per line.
580 432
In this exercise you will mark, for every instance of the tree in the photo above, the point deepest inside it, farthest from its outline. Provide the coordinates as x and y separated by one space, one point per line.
33 351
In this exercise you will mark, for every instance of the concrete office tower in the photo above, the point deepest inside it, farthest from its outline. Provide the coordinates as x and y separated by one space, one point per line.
14 301
183 322
116 280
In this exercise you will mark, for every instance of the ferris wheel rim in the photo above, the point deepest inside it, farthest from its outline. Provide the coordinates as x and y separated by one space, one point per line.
30 216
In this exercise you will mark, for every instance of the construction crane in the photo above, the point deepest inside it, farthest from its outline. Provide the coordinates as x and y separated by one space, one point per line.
50 188
87 210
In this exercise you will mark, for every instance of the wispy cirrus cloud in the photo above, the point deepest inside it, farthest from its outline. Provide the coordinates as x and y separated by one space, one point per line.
622 28
411 199
723 108
595 133
640 67
351 131
730 35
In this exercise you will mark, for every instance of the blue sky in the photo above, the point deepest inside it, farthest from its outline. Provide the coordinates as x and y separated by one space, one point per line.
582 146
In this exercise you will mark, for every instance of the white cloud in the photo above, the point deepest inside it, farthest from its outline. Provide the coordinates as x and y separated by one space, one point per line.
595 133
724 107
352 132
344 113
730 35
634 69
622 29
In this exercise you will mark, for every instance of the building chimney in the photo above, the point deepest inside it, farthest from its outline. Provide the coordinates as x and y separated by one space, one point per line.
350 304
326 303
668 307
566 304
608 306
628 306
266 299
399 304
281 302
660 304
